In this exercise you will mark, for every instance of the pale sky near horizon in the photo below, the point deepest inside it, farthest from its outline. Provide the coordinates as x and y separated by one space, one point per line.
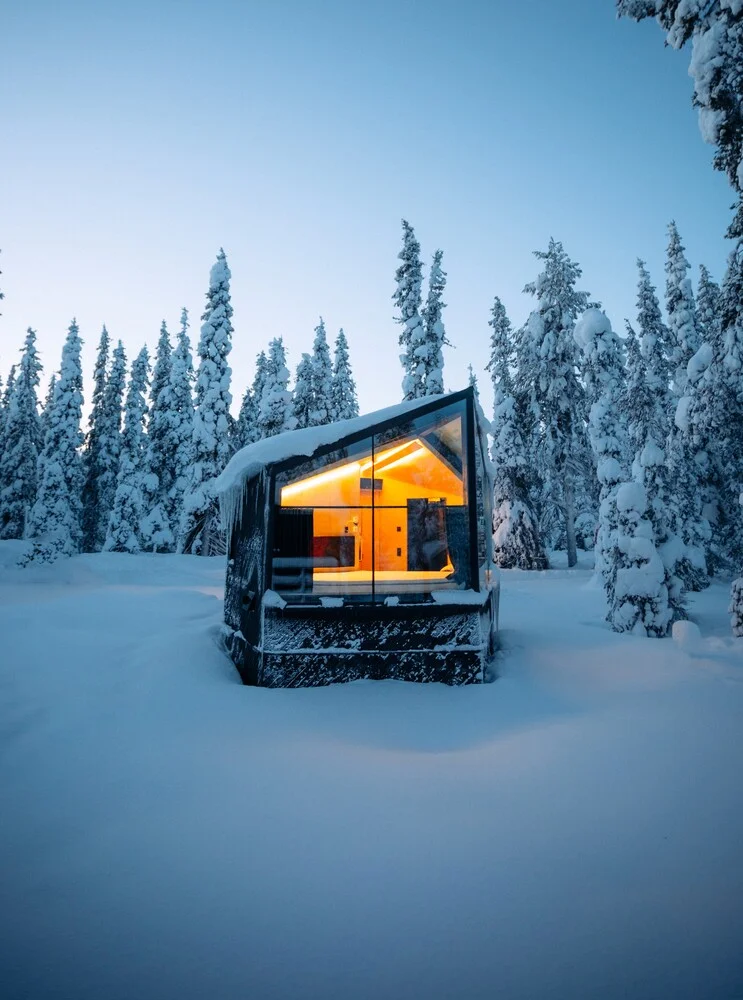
140 137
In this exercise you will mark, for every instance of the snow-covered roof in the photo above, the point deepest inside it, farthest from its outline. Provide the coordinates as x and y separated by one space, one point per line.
249 461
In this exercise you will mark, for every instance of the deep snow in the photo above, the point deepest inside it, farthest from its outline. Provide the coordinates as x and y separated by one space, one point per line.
573 830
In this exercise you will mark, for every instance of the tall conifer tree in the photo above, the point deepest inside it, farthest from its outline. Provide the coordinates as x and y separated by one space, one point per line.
345 401
91 454
407 298
200 531
22 441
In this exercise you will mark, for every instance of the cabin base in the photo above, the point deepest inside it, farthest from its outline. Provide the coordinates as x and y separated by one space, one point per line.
314 646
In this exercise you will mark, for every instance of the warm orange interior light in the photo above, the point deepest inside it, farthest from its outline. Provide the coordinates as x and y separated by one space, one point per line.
352 469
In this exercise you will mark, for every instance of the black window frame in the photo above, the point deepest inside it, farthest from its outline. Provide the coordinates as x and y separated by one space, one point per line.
466 396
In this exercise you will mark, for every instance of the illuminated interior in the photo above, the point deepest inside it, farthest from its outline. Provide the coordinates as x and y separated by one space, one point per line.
389 519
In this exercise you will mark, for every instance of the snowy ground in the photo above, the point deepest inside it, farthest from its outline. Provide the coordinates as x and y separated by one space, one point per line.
573 830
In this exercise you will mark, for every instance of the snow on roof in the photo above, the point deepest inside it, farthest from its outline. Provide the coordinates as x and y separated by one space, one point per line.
248 462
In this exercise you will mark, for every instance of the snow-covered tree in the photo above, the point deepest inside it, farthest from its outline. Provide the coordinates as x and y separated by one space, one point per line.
649 425
21 444
322 378
124 531
158 533
516 540
211 438
91 454
5 400
345 401
708 308
275 405
680 309
55 522
715 28
549 368
47 407
109 445
303 398
639 595
731 318
407 298
604 379
430 352
178 405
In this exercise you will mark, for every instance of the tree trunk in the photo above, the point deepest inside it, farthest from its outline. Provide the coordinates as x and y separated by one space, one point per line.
569 499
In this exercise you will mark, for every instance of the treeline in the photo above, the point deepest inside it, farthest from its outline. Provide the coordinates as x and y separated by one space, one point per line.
633 445
141 478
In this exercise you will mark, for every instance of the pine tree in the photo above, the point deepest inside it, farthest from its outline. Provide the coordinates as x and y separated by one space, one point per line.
22 441
199 529
716 31
345 401
649 428
275 406
652 329
124 532
179 408
5 401
109 445
430 349
158 533
55 521
407 298
91 454
47 407
604 378
303 399
639 598
708 308
516 541
322 378
680 309
706 413
558 398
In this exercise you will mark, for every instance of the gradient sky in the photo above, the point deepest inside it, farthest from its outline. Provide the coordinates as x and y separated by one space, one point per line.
139 137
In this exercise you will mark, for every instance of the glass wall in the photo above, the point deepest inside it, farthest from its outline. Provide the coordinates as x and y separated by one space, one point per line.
388 516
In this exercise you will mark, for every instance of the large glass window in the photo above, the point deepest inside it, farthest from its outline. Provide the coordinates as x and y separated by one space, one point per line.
388 516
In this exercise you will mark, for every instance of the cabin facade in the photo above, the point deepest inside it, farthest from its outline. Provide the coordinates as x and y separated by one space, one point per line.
361 549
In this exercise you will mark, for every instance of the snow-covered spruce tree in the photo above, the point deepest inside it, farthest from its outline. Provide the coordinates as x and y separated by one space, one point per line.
303 400
252 430
648 428
516 541
652 327
124 530
706 413
430 350
639 594
683 454
91 454
715 28
5 401
633 375
472 380
680 310
407 298
21 444
322 378
109 445
158 533
558 398
604 379
178 405
345 401
275 406
47 407
55 522
200 531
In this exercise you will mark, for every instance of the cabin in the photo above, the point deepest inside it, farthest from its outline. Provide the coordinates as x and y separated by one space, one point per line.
362 549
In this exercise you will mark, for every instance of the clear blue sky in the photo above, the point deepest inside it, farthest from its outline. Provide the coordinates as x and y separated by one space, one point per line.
139 137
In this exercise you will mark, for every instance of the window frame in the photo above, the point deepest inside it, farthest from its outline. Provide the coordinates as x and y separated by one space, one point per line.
371 431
